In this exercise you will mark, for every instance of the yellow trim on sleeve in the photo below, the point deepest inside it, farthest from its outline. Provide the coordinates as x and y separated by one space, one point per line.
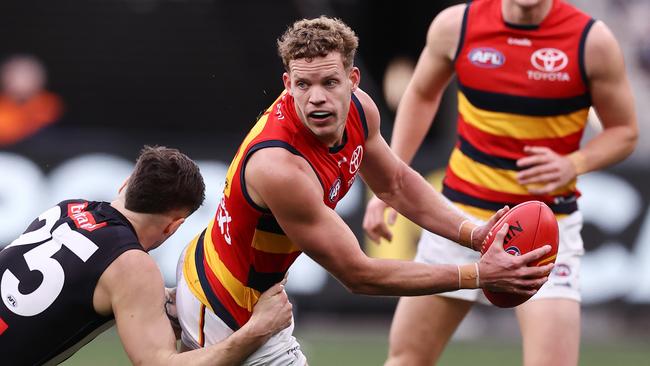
273 243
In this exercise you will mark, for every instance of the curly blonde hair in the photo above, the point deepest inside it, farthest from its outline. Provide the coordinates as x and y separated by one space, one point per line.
309 38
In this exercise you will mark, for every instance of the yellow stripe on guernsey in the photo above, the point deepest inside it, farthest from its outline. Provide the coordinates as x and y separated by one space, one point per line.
190 274
499 180
254 132
521 126
244 296
273 243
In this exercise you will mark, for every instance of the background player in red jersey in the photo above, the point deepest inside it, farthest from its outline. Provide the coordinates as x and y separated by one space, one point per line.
287 176
83 264
528 70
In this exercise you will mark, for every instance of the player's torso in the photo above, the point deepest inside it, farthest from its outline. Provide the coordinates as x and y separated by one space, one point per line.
48 278
245 249
518 86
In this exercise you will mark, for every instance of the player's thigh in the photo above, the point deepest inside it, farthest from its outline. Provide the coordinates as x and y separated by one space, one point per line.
550 324
422 326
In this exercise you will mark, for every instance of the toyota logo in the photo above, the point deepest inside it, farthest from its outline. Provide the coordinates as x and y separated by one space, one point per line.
549 59
355 160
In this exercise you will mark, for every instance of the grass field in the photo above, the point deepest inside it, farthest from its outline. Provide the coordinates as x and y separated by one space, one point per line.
367 347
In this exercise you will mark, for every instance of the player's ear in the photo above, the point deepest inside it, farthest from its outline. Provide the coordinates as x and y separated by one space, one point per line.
123 185
174 225
355 78
286 80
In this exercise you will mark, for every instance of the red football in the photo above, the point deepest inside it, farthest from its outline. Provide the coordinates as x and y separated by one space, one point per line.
532 225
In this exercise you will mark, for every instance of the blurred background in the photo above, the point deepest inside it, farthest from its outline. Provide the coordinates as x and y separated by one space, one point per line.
86 83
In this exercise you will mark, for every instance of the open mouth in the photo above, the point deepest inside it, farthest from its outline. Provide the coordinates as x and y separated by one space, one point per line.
320 115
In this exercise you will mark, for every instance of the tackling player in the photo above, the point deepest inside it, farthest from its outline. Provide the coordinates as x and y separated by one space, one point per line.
82 266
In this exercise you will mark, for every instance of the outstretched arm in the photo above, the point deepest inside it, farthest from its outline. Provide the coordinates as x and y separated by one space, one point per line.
136 291
286 184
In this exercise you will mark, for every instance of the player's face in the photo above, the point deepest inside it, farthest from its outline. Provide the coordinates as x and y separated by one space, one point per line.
322 88
527 3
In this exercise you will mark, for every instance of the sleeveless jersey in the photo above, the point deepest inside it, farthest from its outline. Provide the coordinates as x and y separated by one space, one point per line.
244 251
48 278
518 86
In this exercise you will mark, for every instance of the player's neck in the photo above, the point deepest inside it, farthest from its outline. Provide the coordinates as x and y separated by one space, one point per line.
515 13
331 140
144 224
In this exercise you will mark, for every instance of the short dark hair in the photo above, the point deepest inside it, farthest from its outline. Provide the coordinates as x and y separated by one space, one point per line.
310 38
164 179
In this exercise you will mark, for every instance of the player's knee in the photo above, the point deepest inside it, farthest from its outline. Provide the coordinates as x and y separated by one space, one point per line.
409 357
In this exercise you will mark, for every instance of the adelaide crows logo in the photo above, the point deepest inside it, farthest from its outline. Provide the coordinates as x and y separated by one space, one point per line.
334 190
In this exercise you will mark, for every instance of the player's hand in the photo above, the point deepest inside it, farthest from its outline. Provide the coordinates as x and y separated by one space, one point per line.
545 170
374 224
272 313
170 309
481 232
502 272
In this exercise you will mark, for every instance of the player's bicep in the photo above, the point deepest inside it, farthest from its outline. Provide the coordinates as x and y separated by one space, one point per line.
137 299
292 192
608 83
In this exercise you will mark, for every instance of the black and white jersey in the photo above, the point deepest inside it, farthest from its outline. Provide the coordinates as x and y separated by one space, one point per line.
48 277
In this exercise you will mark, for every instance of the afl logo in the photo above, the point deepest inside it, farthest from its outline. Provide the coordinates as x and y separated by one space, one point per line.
513 250
485 57
355 160
334 191
549 59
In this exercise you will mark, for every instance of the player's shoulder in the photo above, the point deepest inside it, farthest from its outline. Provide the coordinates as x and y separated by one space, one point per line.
448 21
370 110
98 221
275 164
275 174
132 276
136 261
602 51
600 37
133 268
444 33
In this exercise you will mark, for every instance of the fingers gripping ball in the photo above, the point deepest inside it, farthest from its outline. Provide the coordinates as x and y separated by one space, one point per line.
532 225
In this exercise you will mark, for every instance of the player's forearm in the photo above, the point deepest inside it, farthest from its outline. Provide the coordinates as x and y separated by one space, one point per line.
413 120
413 197
609 147
231 351
385 277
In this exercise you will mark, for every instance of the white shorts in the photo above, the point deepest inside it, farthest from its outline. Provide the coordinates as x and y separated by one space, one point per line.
562 283
282 349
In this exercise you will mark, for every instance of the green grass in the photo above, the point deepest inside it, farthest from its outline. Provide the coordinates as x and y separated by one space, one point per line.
367 347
